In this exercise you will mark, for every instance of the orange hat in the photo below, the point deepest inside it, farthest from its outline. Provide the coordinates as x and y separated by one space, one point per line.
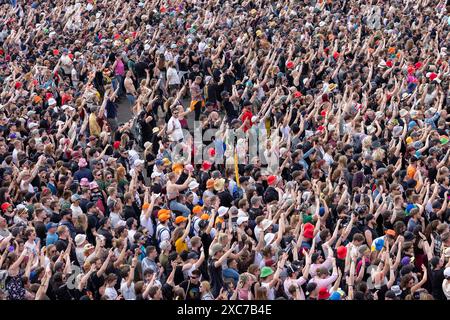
197 209
391 50
145 206
164 217
210 184
204 216
37 99
390 232
163 211
177 167
219 220
180 219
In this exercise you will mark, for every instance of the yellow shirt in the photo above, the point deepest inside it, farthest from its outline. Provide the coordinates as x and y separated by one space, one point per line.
181 245
94 128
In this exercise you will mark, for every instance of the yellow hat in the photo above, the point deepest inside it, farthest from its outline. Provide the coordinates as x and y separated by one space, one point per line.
204 216
253 11
259 33
166 162
409 140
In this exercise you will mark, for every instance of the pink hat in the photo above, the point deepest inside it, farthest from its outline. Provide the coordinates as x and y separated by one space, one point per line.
84 182
93 185
82 163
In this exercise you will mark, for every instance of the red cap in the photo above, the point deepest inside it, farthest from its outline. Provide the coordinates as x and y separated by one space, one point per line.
297 94
18 85
323 293
206 165
56 52
418 65
336 55
433 76
271 180
116 36
48 95
389 63
323 113
341 252
411 70
116 144
70 55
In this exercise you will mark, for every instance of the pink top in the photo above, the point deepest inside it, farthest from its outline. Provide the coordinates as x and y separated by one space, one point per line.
120 68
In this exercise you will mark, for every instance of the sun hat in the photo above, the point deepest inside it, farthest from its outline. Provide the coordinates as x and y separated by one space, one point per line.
265 272
241 220
210 184
266 223
222 211
206 165
79 239
219 184
193 185
93 185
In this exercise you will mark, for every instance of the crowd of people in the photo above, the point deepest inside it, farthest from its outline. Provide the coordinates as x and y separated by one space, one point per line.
342 195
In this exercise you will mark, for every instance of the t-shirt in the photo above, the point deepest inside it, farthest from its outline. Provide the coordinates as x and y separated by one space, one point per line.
177 133
128 293
181 245
192 290
215 276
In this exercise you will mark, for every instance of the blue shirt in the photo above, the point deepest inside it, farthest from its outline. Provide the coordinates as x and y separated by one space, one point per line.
51 239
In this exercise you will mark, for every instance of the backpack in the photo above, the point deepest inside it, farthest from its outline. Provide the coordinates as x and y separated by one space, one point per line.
192 230
159 233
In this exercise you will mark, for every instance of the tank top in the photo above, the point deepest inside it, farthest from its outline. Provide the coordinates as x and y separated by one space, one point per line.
120 68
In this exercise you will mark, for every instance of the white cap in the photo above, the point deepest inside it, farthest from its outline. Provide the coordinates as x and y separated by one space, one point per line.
51 101
138 162
147 47
241 220
222 211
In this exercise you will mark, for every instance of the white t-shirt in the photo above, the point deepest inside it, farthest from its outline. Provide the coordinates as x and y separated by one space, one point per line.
128 293
172 76
177 133
116 220
162 235
111 293
147 223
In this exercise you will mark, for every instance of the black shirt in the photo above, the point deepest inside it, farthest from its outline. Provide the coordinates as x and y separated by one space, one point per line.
192 290
216 279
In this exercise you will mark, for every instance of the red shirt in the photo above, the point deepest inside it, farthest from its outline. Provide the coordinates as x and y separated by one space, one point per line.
247 115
